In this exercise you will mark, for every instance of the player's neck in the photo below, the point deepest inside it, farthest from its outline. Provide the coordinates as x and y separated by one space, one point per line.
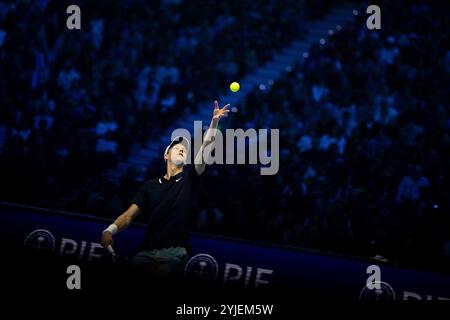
172 170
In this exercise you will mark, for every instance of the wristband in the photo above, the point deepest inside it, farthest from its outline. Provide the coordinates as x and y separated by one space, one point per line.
112 228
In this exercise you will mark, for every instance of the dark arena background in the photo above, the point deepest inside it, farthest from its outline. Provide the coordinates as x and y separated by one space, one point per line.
358 207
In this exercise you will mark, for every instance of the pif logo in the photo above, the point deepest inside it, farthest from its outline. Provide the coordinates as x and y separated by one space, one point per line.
204 267
40 240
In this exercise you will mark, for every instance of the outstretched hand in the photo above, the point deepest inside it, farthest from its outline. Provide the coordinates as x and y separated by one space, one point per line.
220 112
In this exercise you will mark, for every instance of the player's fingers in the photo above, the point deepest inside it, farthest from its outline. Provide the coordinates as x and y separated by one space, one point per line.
216 104
226 107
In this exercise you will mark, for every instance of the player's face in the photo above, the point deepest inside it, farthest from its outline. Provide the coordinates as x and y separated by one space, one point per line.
178 154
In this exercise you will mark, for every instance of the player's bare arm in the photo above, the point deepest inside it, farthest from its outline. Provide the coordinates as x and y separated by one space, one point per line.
218 113
121 223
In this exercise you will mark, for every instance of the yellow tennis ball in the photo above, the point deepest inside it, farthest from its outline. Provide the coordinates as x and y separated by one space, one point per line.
234 87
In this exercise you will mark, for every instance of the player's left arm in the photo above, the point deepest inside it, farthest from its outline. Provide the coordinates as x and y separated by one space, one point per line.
209 137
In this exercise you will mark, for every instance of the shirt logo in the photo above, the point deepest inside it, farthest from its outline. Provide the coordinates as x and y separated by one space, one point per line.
178 179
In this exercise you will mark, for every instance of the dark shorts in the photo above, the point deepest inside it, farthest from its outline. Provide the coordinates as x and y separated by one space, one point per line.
160 264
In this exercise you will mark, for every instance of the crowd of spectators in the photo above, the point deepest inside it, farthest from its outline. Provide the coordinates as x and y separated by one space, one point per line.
76 102
365 146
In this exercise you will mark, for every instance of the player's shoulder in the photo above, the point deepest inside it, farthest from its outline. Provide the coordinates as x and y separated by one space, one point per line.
151 182
189 169
192 171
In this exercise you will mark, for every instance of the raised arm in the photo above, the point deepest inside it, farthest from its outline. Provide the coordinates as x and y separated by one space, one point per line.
209 137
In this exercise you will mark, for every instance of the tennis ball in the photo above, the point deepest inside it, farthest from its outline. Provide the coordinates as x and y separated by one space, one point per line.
234 87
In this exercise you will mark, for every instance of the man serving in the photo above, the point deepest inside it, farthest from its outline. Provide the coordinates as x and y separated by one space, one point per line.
168 203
